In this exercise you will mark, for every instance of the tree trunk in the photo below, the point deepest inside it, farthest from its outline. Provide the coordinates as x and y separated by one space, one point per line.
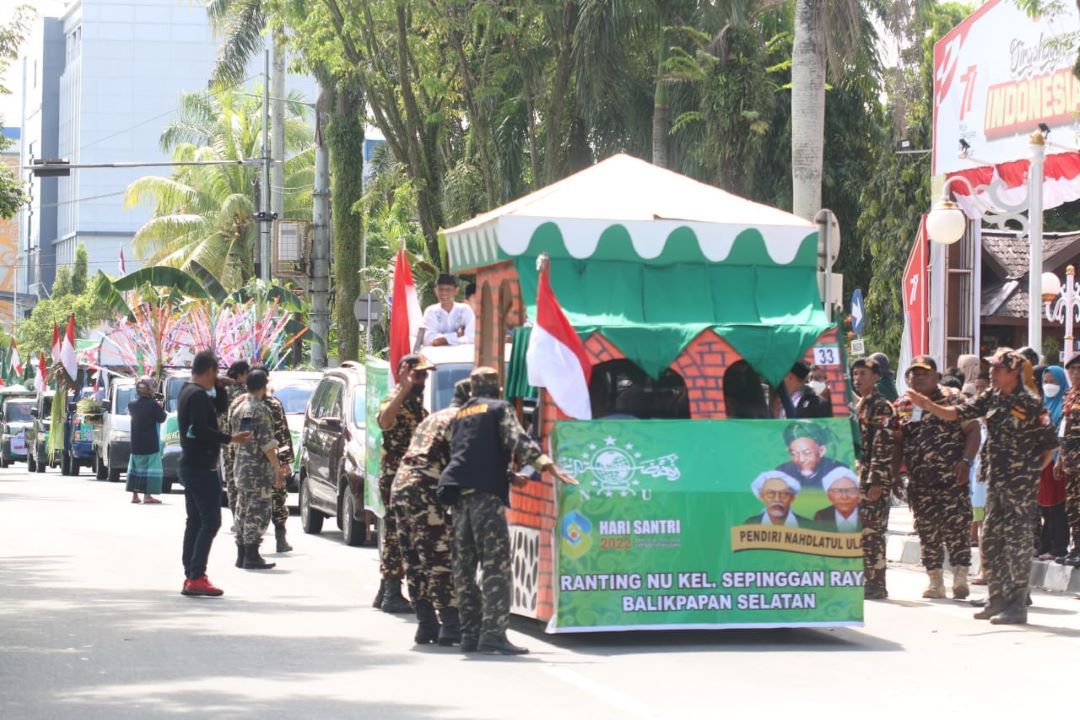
661 118
807 107
345 139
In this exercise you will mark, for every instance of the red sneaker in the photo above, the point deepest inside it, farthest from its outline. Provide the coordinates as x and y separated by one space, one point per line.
186 590
201 587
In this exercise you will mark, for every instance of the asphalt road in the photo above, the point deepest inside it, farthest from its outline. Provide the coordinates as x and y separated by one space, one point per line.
92 625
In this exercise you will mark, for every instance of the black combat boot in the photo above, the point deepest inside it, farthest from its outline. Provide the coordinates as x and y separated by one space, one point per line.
499 645
253 560
469 643
1015 612
393 600
428 629
450 632
279 535
239 555
994 606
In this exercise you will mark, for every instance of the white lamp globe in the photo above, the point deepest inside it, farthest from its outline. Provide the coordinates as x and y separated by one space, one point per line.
945 224
1051 286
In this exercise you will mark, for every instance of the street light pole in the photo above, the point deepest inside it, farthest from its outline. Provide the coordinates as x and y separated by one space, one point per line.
1035 236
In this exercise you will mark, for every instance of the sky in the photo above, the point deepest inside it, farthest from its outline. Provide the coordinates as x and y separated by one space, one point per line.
10 105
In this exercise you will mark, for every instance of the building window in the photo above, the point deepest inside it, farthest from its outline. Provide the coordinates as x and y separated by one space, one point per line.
619 389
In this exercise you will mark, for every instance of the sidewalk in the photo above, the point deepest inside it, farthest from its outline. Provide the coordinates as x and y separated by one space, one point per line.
903 547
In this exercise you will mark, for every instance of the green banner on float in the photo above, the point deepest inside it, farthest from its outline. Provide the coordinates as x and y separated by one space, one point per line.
707 524
376 384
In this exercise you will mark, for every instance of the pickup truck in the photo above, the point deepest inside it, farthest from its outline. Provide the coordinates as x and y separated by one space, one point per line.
112 439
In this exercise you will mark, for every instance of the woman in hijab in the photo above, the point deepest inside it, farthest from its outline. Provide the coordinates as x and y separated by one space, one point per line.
969 373
144 467
1053 539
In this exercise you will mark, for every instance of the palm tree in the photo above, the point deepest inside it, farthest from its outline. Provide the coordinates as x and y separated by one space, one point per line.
814 51
204 214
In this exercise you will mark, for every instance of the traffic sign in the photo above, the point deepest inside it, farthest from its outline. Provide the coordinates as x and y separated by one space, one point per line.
857 312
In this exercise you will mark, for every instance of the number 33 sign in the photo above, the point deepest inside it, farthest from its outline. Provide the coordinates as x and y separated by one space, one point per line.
826 356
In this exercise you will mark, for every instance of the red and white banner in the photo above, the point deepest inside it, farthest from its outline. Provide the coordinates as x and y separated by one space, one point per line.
997 75
405 315
16 361
41 375
67 350
556 358
916 304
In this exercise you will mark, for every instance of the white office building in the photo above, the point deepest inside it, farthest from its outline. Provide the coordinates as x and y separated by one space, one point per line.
124 65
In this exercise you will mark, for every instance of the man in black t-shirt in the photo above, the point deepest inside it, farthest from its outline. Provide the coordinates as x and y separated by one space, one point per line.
200 444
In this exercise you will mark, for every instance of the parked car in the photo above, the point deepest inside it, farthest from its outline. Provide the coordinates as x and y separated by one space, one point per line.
331 475
332 467
37 436
294 388
171 383
78 438
17 419
112 438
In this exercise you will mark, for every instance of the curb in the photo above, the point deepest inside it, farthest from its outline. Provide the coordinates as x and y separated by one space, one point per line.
1045 574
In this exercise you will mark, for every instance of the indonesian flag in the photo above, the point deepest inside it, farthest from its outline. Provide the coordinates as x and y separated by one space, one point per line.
55 352
405 315
123 265
16 361
67 350
41 383
556 357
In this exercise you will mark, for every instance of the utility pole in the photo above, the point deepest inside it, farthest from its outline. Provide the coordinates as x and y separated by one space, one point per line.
320 247
265 214
277 125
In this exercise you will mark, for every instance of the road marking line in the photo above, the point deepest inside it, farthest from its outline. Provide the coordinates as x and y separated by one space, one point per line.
619 700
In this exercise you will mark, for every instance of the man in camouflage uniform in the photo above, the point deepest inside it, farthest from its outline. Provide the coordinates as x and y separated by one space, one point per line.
423 523
237 388
875 417
1068 464
256 469
1020 443
485 436
399 414
280 511
938 455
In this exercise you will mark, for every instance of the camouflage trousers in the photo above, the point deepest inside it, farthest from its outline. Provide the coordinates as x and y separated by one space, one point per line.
874 516
481 537
1011 507
1072 508
390 563
252 514
280 512
228 458
943 521
424 535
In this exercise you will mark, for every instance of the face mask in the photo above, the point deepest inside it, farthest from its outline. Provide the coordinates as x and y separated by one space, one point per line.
1050 390
817 386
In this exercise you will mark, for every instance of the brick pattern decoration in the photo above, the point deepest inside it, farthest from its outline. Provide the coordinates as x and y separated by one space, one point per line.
835 376
501 308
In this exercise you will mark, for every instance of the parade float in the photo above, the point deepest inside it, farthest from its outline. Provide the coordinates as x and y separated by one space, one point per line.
692 304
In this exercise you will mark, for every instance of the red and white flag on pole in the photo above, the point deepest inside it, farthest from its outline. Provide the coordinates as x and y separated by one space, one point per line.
55 351
67 350
556 357
16 361
123 265
405 315
41 374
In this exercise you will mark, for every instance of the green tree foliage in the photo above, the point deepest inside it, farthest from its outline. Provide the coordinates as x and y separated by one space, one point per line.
205 214
72 293
12 195
898 191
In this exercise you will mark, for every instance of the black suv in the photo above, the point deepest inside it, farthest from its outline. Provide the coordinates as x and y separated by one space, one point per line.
332 455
